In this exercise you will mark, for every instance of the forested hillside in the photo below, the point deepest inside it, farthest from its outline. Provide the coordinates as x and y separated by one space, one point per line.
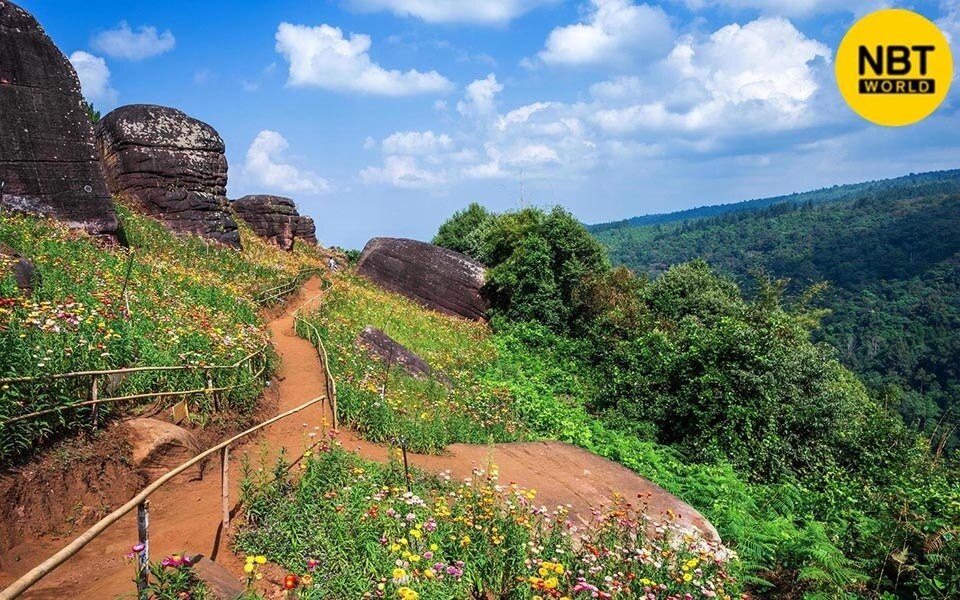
890 254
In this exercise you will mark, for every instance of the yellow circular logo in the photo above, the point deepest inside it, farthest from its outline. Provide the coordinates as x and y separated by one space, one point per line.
894 67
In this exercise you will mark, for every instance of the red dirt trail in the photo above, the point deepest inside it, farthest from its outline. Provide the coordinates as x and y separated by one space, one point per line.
186 517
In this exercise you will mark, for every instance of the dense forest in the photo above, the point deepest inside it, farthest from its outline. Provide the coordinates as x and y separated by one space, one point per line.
889 253
725 396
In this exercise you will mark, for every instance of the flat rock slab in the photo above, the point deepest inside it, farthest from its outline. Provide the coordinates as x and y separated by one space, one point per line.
275 219
158 446
435 277
24 272
171 167
564 474
49 164
393 353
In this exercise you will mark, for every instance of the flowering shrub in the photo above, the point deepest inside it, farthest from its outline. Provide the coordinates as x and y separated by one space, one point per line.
170 579
352 529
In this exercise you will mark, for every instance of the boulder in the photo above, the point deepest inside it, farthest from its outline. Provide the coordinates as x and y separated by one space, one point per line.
23 270
221 584
171 167
48 161
438 278
380 345
307 230
275 219
158 446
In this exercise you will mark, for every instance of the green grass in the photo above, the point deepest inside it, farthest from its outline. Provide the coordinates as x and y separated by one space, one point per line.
428 413
186 302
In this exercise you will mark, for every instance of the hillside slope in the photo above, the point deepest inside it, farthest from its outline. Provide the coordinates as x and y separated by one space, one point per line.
892 259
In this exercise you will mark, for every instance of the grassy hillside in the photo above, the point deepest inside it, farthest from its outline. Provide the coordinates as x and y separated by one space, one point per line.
186 302
892 259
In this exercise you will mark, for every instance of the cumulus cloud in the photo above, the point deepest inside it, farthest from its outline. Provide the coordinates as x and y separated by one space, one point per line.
94 78
485 12
265 165
759 76
123 42
403 172
417 142
615 31
479 98
322 57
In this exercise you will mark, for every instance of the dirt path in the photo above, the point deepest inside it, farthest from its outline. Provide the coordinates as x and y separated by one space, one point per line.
186 517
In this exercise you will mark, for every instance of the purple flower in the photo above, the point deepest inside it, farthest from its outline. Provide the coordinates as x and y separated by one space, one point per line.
137 548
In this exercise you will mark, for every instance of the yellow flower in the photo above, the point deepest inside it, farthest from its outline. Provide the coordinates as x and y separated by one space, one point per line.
306 579
687 576
261 560
248 568
429 573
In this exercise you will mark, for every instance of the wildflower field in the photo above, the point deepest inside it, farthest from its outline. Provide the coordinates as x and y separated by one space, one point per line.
384 404
350 528
165 300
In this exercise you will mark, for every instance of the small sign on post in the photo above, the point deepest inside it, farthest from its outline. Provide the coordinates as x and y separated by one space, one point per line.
181 410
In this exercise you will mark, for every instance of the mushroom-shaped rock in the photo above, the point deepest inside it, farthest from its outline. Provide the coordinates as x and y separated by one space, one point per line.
158 446
438 278
275 219
48 160
393 353
171 166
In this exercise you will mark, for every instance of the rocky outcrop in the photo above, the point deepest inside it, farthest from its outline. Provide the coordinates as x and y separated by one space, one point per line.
380 345
307 230
171 166
48 161
158 446
275 219
438 278
24 273
220 583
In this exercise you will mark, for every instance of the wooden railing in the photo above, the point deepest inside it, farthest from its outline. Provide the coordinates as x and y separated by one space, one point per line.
277 293
18 587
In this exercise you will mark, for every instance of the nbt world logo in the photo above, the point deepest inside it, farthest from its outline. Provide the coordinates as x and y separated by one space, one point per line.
894 67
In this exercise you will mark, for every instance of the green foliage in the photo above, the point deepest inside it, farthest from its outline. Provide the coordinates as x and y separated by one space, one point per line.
891 252
92 113
462 232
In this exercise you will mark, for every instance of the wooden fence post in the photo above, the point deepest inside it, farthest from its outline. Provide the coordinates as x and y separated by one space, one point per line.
213 398
225 486
143 558
94 392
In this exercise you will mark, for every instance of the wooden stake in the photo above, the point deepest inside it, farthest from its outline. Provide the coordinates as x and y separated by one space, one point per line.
225 486
143 558
93 397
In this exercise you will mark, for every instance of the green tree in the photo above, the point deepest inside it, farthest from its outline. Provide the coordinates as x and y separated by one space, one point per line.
460 232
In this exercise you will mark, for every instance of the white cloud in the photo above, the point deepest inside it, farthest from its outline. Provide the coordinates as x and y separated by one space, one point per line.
521 115
402 172
322 57
264 164
949 23
123 42
792 8
615 31
483 12
94 78
416 142
479 97
758 77
618 88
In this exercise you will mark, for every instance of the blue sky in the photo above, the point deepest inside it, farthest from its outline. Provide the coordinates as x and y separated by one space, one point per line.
383 117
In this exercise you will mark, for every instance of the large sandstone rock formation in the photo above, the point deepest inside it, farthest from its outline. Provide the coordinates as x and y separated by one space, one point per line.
170 165
438 278
48 162
275 219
